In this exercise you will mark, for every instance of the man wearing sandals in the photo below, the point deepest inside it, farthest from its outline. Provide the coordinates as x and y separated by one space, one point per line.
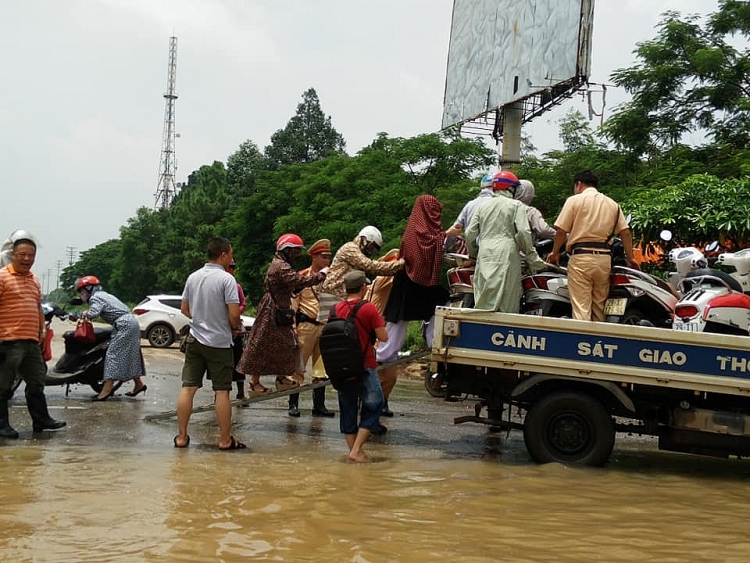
211 300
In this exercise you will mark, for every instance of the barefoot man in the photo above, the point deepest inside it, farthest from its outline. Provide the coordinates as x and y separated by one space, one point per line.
370 325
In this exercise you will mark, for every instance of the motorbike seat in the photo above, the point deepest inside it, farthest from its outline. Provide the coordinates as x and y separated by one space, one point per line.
730 281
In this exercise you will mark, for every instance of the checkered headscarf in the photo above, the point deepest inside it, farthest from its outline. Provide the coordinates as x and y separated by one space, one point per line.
422 243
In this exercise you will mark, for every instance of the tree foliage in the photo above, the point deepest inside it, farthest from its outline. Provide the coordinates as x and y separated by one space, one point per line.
243 167
336 196
100 261
309 135
697 210
689 78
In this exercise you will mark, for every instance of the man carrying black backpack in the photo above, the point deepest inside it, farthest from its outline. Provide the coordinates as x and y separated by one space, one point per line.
366 388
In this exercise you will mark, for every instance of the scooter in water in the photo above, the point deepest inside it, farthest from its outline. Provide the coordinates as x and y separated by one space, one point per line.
82 363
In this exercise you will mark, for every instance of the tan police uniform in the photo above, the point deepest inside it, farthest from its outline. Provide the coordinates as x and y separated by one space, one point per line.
306 304
590 218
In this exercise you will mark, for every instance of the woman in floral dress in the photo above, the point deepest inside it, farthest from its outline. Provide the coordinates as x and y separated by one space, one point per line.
272 349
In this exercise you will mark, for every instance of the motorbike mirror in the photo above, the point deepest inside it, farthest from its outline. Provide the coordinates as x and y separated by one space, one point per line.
665 235
76 301
712 246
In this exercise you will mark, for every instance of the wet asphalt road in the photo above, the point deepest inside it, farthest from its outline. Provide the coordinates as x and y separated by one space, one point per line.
423 425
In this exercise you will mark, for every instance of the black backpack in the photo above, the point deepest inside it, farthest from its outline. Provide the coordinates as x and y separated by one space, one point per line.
343 357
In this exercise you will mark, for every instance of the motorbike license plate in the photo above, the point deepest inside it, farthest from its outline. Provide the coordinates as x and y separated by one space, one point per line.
615 306
688 327
537 312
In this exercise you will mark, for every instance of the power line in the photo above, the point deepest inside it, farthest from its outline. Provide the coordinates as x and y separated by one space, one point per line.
71 251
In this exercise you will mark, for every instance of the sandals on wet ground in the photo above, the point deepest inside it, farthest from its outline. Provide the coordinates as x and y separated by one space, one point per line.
284 383
234 444
257 390
185 445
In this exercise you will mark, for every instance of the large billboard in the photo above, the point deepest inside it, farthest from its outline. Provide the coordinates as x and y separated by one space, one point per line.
505 51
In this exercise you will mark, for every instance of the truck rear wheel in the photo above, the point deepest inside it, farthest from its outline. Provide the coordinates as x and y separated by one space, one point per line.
434 384
569 427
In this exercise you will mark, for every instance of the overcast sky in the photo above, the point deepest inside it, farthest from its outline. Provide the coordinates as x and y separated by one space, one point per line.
81 106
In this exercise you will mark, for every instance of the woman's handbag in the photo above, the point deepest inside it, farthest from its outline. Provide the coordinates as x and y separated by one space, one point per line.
85 332
284 316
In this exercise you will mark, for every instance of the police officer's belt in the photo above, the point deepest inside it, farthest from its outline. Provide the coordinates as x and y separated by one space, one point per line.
590 248
302 318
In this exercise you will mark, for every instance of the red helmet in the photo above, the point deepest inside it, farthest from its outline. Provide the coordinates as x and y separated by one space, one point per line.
289 240
85 281
504 180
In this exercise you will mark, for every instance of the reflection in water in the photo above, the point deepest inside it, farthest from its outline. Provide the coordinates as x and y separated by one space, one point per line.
88 504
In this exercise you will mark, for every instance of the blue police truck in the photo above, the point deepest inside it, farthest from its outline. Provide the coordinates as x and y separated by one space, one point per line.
577 383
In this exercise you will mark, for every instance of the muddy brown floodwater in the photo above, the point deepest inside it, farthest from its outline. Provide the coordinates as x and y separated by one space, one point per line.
111 487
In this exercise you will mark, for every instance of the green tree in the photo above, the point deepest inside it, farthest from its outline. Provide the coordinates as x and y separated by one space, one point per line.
142 245
697 210
690 78
336 196
308 136
99 261
243 167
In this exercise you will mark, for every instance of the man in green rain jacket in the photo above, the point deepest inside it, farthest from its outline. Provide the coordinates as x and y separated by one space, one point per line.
503 228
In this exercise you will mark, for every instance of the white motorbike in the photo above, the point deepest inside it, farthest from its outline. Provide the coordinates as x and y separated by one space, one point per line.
712 300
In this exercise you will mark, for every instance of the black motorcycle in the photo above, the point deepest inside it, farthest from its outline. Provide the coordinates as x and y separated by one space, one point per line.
82 363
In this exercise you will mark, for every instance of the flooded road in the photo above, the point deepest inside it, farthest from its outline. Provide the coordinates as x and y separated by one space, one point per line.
112 488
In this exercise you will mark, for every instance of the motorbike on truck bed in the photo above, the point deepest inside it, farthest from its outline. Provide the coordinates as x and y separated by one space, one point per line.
635 297
712 300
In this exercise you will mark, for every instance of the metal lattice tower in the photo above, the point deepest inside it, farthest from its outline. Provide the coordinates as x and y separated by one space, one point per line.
165 189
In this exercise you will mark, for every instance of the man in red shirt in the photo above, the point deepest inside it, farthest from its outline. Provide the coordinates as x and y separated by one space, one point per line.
22 329
370 325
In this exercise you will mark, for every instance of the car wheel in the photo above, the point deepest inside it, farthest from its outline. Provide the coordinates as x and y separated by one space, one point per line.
160 336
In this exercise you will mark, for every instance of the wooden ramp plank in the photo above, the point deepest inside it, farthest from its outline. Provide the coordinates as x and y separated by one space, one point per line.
279 394
245 401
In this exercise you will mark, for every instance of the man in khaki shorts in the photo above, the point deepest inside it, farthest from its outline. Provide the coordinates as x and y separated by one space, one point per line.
211 300
588 219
